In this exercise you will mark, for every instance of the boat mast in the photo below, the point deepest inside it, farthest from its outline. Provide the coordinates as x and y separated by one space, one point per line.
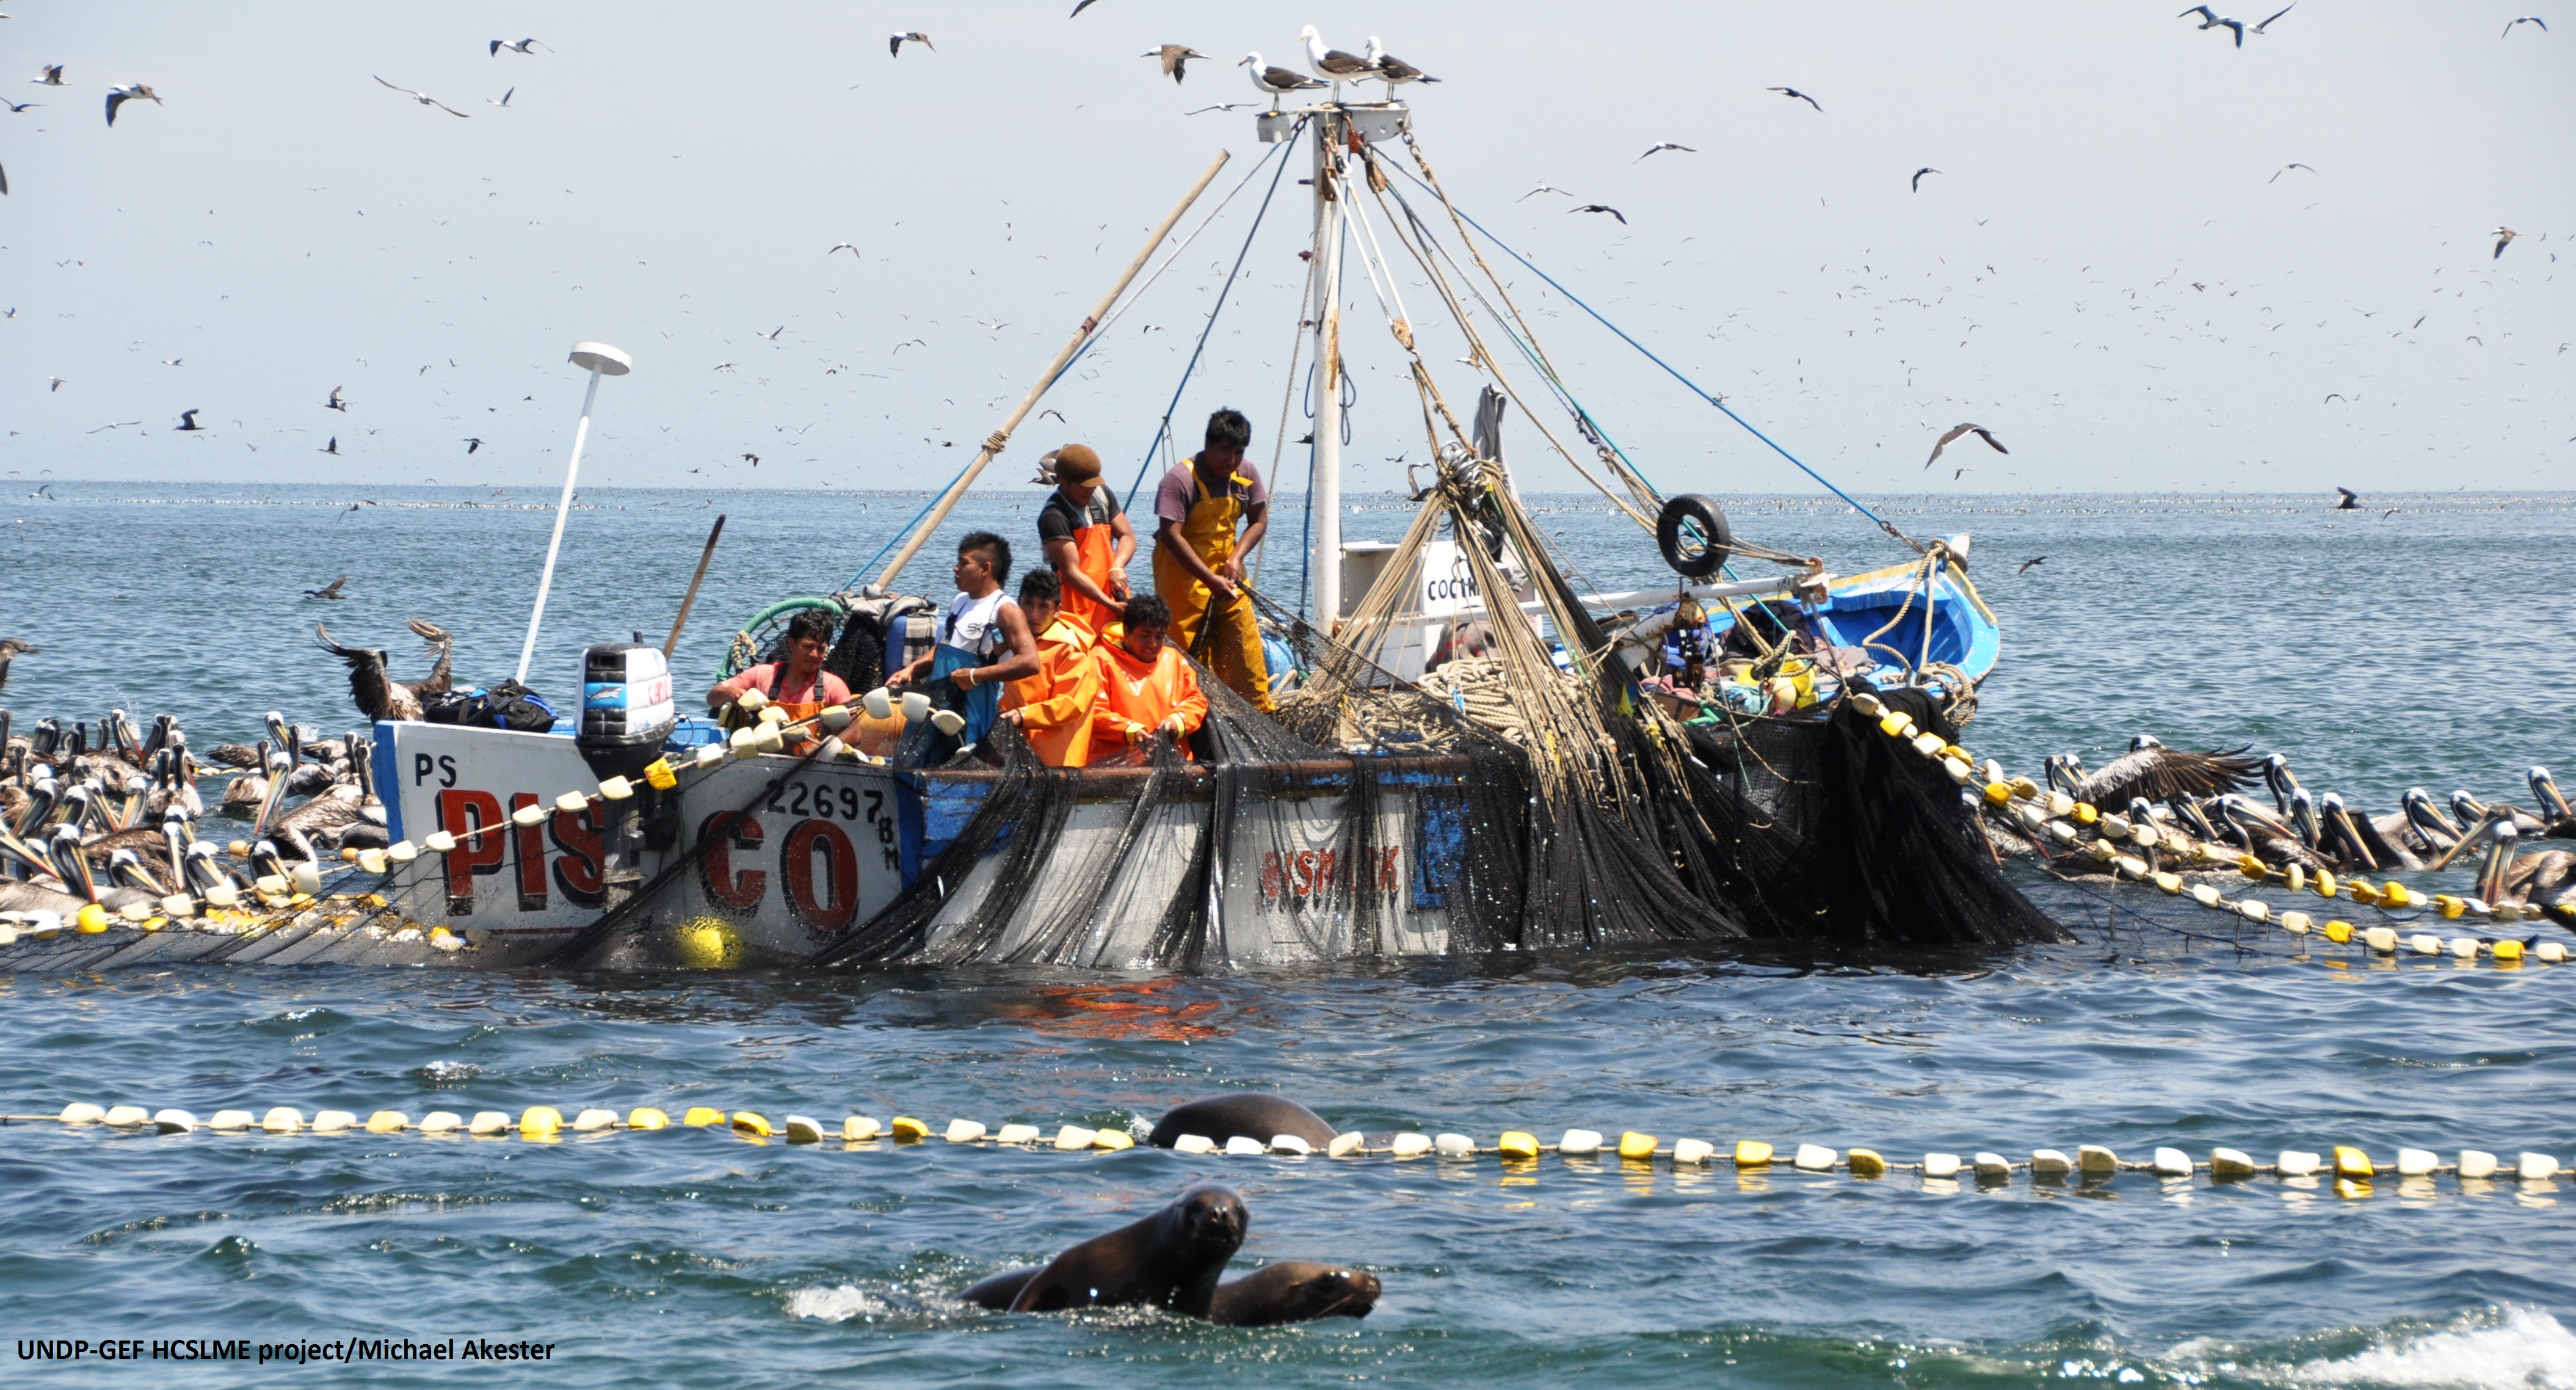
1326 498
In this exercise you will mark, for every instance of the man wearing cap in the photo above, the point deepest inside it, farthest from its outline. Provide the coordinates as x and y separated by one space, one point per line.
1087 539
1198 557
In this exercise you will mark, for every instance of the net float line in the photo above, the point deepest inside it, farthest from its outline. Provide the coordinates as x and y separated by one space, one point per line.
2052 816
2344 1163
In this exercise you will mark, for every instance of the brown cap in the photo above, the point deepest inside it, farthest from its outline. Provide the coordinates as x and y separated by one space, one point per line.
1076 463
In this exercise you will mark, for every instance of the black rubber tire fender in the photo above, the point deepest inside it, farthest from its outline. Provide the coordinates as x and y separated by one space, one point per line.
1716 539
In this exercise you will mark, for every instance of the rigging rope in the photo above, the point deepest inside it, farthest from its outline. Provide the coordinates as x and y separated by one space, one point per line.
1854 503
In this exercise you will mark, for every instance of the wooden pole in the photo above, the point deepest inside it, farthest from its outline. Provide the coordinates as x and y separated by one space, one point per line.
992 446
672 643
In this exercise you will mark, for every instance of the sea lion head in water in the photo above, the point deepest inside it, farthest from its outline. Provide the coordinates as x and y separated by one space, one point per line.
1294 1291
1170 1259
1248 1114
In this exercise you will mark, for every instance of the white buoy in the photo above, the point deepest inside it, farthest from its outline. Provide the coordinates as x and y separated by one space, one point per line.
602 360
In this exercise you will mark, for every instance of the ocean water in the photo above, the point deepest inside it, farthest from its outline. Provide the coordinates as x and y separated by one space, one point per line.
2431 646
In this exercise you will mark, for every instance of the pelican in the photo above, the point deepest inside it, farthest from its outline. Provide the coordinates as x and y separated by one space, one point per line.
379 696
2544 791
2158 773
11 649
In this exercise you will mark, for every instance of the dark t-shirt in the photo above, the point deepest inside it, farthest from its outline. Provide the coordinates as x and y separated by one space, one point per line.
1180 488
1059 519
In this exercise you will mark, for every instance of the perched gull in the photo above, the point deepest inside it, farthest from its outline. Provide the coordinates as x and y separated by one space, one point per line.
527 46
1332 64
2508 29
2212 19
1659 147
53 74
2504 237
1602 207
1955 431
426 99
2293 164
1395 72
895 42
1794 95
118 96
1175 57
1918 176
1275 82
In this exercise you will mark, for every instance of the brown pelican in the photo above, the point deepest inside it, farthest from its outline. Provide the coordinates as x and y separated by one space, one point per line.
11 649
2265 837
2544 790
379 696
2158 773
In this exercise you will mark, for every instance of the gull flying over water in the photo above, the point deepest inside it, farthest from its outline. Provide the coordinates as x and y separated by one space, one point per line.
118 96
2526 19
895 42
331 448
53 75
426 99
1394 71
330 590
2030 564
1795 95
1602 207
2351 500
1276 82
1955 431
1659 147
1918 176
1175 57
527 46
472 444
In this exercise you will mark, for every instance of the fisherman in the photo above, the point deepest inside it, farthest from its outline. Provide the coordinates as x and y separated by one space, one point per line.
1053 708
1087 539
1146 688
984 641
800 691
1198 557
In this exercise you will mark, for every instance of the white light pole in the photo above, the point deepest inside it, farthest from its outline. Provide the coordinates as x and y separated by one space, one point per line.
602 360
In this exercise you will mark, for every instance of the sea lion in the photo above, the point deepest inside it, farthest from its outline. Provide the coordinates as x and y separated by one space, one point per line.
1294 1291
1289 1291
1170 1259
1250 1114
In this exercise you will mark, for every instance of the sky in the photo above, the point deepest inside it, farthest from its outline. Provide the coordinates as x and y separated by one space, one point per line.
2113 270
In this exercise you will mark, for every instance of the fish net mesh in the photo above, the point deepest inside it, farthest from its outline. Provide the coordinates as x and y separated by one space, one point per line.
1370 815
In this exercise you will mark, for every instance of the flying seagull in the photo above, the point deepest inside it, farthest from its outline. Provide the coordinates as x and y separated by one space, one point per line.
2276 14
1080 5
1955 431
1276 82
331 448
57 384
188 422
894 42
337 402
53 75
527 46
1395 72
1332 64
843 246
330 590
2504 237
2508 29
505 98
2293 164
426 99
115 425
2351 500
18 106
1175 57
1794 95
754 458
1602 207
473 444
2030 564
2211 19
1542 188
118 96
1659 147
1918 176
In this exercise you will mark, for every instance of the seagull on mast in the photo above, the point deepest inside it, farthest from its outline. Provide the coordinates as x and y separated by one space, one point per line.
118 96
1394 72
1175 57
1276 82
426 99
1659 147
895 42
1955 431
1332 64
1795 95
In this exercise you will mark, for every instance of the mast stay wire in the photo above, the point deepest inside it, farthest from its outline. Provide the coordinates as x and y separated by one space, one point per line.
1287 399
1162 432
1883 523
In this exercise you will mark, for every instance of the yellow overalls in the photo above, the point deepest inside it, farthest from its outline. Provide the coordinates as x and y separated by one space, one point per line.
1235 644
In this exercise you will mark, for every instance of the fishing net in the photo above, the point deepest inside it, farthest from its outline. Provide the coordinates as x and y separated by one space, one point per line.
1371 815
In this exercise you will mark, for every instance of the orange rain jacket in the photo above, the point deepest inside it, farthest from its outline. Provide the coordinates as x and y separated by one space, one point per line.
1136 696
1058 700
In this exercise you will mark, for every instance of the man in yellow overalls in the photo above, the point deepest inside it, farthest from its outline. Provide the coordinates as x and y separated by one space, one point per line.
1198 557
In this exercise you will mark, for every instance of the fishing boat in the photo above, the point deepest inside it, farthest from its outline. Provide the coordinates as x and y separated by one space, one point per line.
1383 813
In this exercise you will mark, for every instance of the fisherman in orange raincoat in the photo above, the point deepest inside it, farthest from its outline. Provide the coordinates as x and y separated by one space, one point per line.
1146 688
1053 708
1086 537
